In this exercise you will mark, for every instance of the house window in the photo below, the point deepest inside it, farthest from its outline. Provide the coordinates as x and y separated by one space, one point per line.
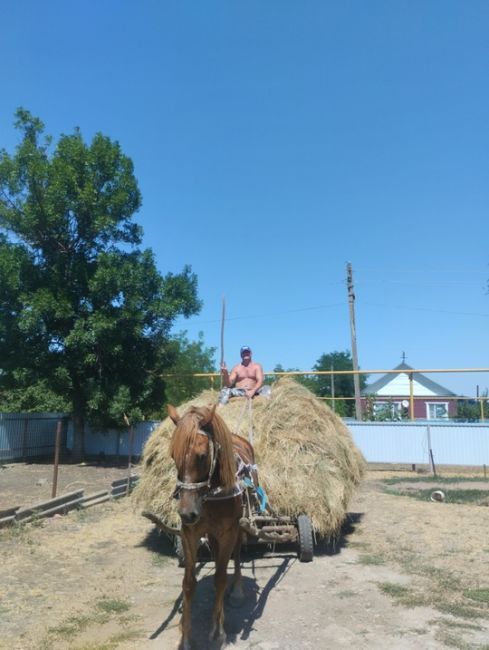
437 410
388 410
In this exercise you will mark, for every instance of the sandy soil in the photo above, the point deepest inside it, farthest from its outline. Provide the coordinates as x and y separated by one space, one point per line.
27 484
400 577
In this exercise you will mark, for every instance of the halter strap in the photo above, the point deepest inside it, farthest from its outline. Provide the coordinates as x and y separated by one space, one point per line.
213 449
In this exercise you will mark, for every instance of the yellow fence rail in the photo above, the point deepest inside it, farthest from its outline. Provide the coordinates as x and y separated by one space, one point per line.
215 378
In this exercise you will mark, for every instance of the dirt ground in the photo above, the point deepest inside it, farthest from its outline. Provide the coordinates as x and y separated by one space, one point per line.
404 574
27 484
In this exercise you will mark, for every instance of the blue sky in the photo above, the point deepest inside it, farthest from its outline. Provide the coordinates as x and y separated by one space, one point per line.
275 141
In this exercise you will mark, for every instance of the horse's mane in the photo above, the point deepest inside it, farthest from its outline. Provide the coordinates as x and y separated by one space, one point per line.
184 437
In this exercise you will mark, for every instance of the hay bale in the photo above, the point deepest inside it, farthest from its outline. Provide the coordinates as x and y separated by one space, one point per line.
307 461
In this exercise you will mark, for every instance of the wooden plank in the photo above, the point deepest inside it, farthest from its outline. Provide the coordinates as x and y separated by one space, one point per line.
8 512
6 521
95 502
123 481
95 495
48 505
62 508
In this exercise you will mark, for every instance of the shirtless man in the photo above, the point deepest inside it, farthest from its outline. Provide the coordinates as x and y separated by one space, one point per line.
245 379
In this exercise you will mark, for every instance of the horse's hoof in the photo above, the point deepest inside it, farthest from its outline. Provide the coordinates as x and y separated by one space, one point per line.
236 598
217 633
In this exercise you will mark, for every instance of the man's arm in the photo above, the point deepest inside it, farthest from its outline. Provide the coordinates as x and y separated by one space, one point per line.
228 379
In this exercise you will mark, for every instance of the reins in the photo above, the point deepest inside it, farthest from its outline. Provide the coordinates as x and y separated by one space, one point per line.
246 405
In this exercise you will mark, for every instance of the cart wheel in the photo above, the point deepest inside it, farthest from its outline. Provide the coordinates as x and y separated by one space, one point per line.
306 541
178 547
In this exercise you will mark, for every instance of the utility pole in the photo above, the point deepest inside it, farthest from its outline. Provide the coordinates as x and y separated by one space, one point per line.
354 355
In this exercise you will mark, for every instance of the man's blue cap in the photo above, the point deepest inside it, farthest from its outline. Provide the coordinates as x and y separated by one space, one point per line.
245 348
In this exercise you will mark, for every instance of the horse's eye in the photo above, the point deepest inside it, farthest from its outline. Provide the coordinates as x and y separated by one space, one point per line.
201 457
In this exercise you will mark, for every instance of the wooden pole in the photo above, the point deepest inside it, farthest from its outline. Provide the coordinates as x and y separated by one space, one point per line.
432 460
57 446
129 457
411 396
356 378
332 389
223 319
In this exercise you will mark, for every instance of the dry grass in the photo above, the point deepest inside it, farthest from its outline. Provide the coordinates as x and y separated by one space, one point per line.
306 456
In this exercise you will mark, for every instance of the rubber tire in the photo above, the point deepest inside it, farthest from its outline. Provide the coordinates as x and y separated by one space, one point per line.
306 538
178 546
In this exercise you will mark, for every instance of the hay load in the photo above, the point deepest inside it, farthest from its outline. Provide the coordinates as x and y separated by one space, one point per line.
307 460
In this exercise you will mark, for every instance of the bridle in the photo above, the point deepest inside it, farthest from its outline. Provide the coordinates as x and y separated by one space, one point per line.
213 450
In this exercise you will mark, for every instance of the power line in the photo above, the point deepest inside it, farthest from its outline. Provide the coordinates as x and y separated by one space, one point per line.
276 313
436 311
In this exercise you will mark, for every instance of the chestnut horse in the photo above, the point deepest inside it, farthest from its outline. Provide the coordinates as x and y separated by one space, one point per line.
207 456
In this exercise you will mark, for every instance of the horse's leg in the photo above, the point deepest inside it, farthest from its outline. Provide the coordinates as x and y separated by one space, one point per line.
226 545
237 589
190 545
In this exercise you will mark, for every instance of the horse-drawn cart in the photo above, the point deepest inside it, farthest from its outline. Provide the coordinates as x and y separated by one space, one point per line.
261 525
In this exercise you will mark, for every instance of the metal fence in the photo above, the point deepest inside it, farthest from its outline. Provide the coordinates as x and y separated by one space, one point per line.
410 443
24 436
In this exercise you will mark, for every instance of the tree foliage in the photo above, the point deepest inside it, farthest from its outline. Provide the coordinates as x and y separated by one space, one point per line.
84 313
190 357
322 385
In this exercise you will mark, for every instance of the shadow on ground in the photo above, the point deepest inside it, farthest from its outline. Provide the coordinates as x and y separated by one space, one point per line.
239 620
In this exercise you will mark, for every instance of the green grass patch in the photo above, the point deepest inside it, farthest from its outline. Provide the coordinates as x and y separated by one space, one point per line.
112 643
451 640
401 594
371 560
451 496
445 622
71 626
480 595
102 612
458 610
112 605
432 479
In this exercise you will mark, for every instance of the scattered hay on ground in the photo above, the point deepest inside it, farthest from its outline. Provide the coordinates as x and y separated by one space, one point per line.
307 460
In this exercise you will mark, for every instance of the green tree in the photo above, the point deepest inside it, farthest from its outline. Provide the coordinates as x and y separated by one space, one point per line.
343 384
305 380
189 357
83 310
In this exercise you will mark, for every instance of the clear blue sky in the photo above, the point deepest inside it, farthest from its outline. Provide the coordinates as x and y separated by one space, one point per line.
274 141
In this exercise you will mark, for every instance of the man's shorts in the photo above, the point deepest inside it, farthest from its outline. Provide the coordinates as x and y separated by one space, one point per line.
226 393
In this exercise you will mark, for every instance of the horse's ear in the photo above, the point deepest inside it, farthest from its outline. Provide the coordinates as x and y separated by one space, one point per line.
207 418
172 412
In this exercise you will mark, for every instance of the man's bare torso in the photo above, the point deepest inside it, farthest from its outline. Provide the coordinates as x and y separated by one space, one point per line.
246 376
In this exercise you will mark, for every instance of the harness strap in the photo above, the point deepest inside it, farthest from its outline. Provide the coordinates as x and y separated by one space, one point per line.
214 450
250 424
240 418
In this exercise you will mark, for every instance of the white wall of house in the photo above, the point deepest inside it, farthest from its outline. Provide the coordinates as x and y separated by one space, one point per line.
400 386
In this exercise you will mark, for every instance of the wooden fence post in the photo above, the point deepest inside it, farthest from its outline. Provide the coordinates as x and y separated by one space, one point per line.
57 446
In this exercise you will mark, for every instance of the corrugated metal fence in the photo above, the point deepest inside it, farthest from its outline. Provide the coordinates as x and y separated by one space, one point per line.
402 442
23 436
29 435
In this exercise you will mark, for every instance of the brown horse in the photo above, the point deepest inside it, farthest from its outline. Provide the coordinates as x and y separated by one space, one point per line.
206 455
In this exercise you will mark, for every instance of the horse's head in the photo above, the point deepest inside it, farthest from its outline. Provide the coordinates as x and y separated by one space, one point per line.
202 450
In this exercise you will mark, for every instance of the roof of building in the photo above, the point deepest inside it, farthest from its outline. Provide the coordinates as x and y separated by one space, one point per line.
430 385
